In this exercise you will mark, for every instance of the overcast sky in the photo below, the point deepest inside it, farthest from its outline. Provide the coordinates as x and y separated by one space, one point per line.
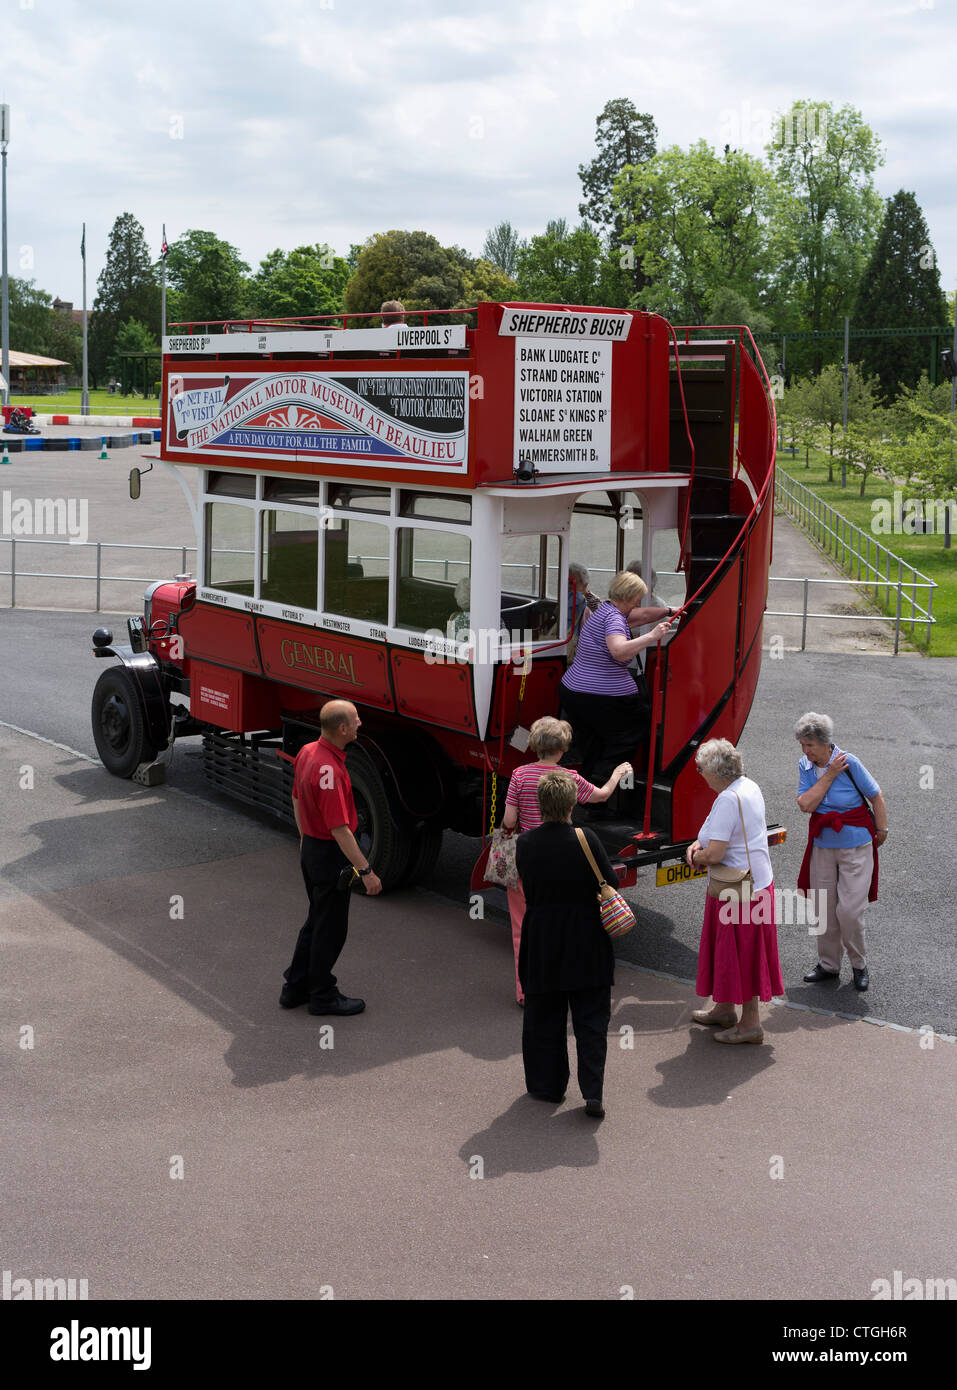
283 122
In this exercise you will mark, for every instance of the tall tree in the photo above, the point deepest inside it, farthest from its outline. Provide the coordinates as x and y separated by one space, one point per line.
409 266
900 288
626 139
207 279
827 211
704 228
127 288
501 248
309 280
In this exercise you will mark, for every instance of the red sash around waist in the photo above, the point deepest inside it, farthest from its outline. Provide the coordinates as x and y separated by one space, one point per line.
836 820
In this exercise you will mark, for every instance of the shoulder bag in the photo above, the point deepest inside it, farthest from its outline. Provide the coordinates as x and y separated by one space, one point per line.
733 885
616 916
500 868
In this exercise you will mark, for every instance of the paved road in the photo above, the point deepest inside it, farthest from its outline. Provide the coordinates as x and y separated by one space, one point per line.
167 1132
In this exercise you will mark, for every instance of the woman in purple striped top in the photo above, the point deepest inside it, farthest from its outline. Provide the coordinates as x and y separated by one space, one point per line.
549 739
598 692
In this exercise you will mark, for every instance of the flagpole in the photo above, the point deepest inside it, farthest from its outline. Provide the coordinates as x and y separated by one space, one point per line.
85 395
163 335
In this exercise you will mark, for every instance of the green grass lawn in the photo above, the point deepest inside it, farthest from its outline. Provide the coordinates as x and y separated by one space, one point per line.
101 403
925 552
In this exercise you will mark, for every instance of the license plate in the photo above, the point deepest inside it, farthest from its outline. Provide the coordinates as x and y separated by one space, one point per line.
677 873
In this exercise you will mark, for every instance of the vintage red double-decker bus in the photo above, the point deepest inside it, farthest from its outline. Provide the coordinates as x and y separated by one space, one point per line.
387 513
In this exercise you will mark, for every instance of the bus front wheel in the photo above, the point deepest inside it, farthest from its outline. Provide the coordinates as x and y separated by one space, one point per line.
119 723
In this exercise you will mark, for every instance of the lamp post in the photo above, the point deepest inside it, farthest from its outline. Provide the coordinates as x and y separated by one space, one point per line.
5 320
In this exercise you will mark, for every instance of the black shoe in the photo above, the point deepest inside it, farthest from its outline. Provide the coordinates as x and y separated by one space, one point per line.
338 1004
595 1109
291 998
861 978
551 1100
815 976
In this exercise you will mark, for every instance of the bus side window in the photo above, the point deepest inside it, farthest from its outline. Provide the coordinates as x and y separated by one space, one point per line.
290 562
530 570
431 564
356 568
230 548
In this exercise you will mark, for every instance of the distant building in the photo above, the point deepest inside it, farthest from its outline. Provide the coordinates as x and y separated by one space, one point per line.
65 306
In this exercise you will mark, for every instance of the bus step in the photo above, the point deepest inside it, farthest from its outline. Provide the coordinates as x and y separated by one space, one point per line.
249 771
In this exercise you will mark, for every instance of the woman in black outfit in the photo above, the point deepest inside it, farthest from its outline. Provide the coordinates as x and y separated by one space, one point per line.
565 957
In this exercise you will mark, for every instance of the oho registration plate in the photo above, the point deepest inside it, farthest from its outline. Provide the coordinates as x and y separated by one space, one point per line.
677 873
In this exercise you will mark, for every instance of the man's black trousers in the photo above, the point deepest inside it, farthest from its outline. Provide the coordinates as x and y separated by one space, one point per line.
545 1040
324 933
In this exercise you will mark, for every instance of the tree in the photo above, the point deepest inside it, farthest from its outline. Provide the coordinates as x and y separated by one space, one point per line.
900 288
561 267
409 266
132 337
826 211
825 401
486 281
704 228
207 280
309 280
35 326
126 289
624 136
501 248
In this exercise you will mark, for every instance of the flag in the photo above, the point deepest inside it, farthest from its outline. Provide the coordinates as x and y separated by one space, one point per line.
83 243
164 249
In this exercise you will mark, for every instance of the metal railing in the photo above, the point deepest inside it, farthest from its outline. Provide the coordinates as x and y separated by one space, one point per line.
98 578
853 548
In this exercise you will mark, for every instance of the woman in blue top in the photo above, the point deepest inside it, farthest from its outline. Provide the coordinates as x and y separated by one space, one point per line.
842 847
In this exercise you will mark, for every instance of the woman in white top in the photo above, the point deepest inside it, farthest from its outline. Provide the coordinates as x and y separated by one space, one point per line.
738 956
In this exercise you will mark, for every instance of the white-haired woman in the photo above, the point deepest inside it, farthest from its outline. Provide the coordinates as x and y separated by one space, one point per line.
549 739
840 862
597 691
738 955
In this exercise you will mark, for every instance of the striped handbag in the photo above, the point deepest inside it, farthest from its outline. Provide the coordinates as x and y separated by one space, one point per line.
616 916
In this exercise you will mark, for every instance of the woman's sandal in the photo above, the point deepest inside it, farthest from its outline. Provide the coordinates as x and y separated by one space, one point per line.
715 1021
731 1035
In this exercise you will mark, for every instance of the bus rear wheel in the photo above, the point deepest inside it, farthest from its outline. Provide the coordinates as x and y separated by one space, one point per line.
119 723
426 845
386 843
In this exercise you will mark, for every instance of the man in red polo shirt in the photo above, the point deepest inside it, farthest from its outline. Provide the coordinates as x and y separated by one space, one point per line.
326 821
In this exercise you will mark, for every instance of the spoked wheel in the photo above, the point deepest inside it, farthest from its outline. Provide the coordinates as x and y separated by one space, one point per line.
386 844
119 723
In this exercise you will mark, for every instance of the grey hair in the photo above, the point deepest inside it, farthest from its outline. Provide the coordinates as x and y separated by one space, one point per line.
635 568
719 758
463 592
814 728
548 735
579 574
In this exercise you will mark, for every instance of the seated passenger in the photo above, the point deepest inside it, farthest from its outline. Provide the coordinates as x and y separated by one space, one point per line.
598 691
459 624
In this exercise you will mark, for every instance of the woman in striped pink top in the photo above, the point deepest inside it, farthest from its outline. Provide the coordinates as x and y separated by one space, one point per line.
549 739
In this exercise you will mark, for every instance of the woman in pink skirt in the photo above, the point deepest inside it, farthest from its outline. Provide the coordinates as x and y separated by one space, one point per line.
738 955
549 739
